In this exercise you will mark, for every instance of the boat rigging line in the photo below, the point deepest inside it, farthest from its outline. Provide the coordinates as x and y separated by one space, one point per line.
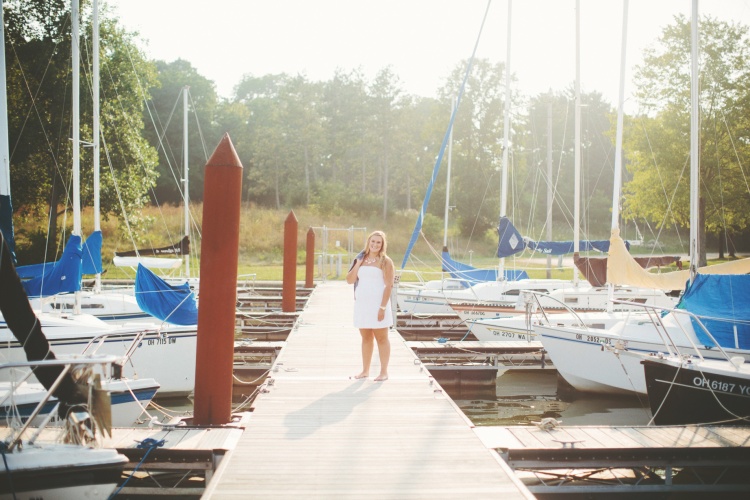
446 137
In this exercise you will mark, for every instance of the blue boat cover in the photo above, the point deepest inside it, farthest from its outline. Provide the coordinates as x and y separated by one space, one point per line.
725 297
63 276
173 304
511 242
471 275
91 257
92 253
33 270
565 247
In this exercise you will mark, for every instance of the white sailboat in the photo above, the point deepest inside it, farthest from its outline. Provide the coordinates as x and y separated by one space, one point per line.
590 360
120 305
435 297
178 254
51 470
500 299
487 315
69 330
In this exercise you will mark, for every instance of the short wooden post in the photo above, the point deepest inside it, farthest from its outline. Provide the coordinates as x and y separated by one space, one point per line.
310 258
289 286
220 242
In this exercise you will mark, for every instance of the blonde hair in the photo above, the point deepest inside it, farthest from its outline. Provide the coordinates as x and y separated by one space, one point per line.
383 248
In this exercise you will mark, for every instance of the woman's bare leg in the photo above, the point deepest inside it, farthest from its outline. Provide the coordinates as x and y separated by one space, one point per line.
384 351
368 346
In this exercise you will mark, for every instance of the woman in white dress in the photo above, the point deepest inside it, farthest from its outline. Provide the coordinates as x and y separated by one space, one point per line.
373 276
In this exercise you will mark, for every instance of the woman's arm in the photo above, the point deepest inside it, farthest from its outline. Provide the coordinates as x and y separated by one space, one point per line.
389 275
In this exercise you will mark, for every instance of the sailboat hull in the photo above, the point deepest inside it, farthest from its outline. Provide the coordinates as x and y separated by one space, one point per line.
128 399
590 360
167 356
581 298
517 327
682 393
440 301
117 307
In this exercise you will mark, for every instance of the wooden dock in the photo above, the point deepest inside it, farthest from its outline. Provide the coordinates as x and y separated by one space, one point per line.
164 461
516 354
606 460
318 433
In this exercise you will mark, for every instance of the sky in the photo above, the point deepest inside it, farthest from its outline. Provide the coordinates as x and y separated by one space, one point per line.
421 40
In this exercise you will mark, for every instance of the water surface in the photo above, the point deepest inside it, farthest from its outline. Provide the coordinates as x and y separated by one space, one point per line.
523 397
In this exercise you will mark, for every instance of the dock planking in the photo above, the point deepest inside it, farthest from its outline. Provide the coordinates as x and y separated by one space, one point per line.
619 439
317 432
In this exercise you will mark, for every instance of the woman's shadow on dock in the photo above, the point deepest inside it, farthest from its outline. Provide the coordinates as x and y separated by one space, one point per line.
330 409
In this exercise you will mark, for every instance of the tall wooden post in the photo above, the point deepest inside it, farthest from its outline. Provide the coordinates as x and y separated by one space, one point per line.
222 190
310 258
289 286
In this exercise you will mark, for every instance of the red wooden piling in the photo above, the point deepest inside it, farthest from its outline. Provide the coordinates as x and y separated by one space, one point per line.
222 190
289 286
310 258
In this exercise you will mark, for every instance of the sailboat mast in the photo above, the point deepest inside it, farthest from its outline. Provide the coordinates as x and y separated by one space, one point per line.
577 145
616 187
4 145
618 138
549 182
694 158
75 40
75 44
186 192
448 181
96 142
506 135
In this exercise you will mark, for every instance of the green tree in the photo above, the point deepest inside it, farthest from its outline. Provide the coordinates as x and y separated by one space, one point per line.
303 129
38 59
388 103
659 144
261 144
164 128
346 109
477 145
597 165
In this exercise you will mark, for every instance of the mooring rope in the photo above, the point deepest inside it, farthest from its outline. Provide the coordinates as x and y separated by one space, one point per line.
149 444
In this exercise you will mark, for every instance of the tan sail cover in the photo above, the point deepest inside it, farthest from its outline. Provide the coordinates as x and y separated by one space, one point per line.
622 269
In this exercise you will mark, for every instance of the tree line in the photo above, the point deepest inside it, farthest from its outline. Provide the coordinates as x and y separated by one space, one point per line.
361 146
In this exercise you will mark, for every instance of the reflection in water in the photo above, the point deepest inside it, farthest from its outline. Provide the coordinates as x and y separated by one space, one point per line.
526 396
166 410
520 397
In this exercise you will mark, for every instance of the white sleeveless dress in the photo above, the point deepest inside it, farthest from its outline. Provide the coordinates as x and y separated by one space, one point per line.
367 299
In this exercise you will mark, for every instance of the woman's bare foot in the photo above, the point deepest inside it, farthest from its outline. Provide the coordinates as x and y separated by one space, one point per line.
362 375
381 378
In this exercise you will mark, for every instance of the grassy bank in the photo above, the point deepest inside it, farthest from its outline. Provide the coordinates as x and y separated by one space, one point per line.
262 239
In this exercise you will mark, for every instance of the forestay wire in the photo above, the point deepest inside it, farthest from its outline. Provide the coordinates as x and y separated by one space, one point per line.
436 169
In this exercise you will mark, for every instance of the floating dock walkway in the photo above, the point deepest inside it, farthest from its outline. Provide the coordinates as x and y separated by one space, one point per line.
317 433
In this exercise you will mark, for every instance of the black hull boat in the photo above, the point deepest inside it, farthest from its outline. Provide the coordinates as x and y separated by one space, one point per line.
62 472
692 391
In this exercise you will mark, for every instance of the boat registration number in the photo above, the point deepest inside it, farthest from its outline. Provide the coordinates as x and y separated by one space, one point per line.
169 340
508 335
721 386
593 338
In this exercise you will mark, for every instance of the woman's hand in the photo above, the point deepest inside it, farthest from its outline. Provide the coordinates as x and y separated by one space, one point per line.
381 314
351 276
